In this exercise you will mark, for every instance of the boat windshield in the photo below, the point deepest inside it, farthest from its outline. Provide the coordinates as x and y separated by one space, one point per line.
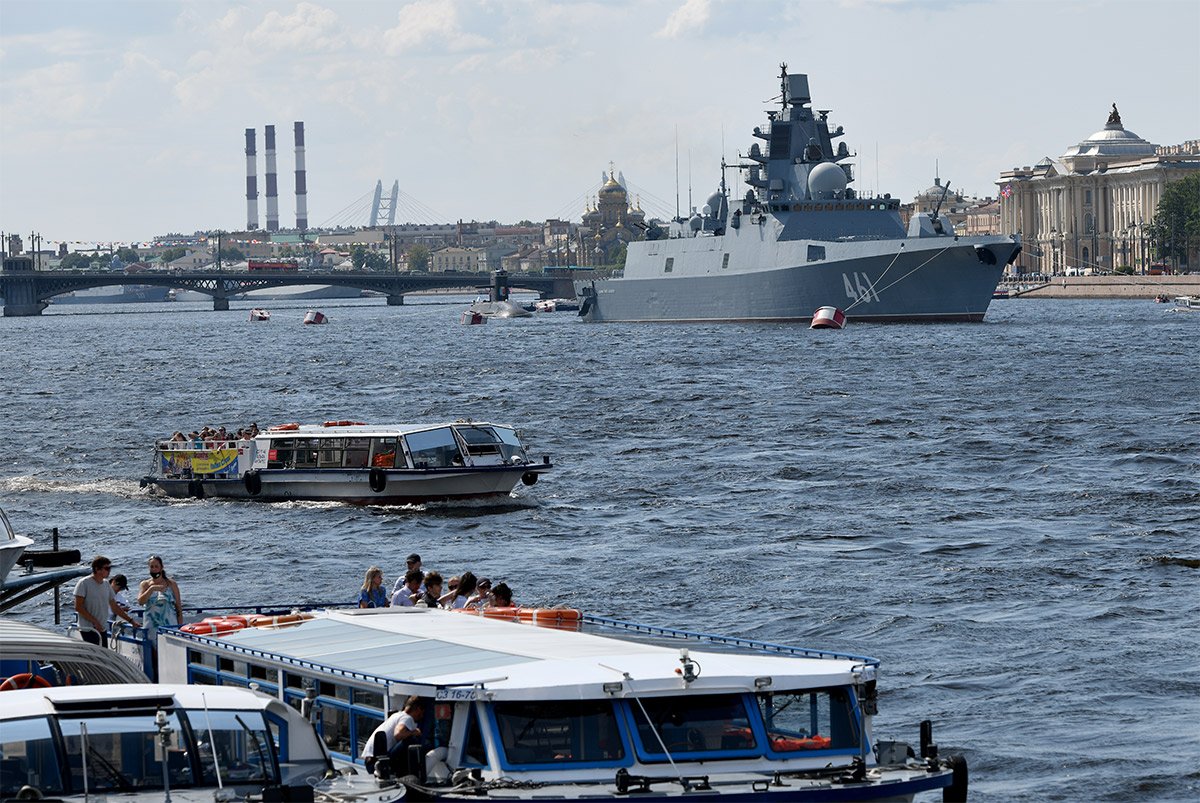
433 448
693 724
558 731
126 752
483 441
809 720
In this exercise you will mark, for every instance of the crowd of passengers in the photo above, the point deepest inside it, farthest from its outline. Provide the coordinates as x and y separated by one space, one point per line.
418 588
211 438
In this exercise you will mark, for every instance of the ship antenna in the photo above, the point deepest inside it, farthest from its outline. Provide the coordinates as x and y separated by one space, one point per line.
783 84
677 171
690 207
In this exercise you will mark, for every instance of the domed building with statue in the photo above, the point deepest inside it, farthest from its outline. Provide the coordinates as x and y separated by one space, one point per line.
1090 210
610 222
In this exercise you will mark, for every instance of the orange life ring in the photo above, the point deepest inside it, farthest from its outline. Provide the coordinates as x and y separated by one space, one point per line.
25 680
285 427
215 626
282 620
343 424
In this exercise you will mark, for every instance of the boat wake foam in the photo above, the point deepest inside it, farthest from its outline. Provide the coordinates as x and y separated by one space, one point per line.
32 483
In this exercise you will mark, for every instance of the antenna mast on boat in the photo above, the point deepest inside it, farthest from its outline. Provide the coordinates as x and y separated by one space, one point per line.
677 171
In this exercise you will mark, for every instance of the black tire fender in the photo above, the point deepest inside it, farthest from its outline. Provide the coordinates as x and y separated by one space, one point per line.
956 792
253 482
196 489
529 477
378 480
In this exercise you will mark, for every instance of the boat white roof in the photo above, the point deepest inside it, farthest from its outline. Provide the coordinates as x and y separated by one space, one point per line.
367 430
87 663
21 703
421 650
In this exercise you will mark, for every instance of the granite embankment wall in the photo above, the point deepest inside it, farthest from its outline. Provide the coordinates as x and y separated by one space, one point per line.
1116 287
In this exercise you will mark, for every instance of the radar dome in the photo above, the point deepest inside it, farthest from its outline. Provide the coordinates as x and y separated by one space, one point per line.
826 181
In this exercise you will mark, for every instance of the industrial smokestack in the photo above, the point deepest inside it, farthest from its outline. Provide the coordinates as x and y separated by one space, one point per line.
301 189
251 182
272 184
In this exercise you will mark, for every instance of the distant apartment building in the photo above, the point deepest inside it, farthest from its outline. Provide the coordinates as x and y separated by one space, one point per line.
983 219
1089 210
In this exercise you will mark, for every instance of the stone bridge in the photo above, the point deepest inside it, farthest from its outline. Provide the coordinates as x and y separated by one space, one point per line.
27 292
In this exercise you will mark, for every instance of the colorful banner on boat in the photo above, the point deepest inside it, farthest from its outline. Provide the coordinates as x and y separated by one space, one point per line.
184 463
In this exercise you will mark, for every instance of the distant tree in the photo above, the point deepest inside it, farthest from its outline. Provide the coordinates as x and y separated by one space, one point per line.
374 260
172 254
526 223
358 257
619 256
418 258
75 262
232 254
1176 228
128 255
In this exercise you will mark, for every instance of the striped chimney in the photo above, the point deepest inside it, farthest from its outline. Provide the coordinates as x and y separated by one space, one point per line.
272 184
301 188
251 182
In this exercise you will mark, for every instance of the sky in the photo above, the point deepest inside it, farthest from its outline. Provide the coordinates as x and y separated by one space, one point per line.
125 119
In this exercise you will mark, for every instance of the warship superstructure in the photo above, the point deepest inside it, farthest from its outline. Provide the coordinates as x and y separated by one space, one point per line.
801 238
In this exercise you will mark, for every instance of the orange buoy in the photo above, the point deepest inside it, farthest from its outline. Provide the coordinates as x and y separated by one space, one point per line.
25 680
828 318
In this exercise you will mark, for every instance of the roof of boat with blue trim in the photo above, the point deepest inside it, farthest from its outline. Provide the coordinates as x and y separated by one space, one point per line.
361 429
421 649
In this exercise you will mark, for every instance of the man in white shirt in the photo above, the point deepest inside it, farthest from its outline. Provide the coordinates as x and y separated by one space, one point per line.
410 592
401 731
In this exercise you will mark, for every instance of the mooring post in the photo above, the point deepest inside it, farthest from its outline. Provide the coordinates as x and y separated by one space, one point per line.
395 300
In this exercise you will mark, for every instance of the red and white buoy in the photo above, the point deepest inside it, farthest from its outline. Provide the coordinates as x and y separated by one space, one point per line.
828 318
312 316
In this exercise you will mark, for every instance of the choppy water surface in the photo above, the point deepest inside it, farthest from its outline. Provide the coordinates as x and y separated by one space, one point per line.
1007 514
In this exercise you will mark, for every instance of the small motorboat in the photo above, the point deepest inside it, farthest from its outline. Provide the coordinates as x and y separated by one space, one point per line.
499 309
1001 292
1162 298
472 317
259 315
315 317
1189 303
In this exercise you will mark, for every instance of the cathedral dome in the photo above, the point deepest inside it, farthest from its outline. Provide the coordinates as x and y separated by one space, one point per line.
611 187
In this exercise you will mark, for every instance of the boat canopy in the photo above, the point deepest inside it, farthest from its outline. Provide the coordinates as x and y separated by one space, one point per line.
451 655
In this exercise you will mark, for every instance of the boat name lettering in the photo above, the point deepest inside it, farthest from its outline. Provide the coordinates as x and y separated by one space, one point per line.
861 289
455 694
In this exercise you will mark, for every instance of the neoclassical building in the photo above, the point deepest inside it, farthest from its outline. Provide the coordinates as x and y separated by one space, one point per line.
1089 209
610 223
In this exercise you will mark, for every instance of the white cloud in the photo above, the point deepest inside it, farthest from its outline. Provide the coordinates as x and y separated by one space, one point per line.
307 27
691 16
429 22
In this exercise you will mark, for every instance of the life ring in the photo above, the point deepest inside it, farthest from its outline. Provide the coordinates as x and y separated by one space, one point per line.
196 489
253 482
560 618
25 680
343 424
215 626
285 427
282 620
378 480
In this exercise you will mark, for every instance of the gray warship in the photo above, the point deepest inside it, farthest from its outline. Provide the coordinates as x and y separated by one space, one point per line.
800 239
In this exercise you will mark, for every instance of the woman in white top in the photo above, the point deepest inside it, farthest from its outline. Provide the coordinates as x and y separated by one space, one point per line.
457 597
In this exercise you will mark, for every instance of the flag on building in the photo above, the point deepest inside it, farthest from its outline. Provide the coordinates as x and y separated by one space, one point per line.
1007 191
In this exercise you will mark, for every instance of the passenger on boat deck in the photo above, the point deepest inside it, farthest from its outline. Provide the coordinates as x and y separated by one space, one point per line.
433 590
410 592
254 430
502 597
120 584
178 436
159 596
458 595
373 595
94 601
401 730
482 597
413 561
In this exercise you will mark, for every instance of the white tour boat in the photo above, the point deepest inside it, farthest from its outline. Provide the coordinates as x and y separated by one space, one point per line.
348 461
150 742
1187 303
514 711
258 314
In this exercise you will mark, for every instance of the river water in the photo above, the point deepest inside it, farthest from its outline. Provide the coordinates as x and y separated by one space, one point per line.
1007 514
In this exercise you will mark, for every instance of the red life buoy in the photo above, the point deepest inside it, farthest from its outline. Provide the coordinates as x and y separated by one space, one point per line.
285 427
25 680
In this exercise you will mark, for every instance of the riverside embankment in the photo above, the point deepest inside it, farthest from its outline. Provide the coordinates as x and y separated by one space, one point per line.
1115 287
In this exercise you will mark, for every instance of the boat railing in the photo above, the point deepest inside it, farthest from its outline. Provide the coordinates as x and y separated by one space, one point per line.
198 446
728 641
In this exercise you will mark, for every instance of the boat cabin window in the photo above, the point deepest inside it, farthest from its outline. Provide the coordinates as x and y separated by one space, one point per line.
330 455
480 440
279 455
809 720
558 731
124 752
693 724
357 453
243 743
670 266
28 757
305 453
434 448
474 752
816 253
383 453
